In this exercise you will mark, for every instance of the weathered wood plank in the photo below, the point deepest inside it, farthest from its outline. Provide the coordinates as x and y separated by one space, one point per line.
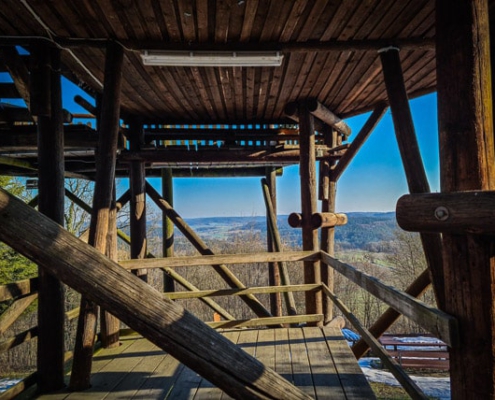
435 321
293 319
142 308
18 289
301 370
239 292
249 258
326 380
10 315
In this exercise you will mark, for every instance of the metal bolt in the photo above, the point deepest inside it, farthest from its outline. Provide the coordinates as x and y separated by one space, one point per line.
441 213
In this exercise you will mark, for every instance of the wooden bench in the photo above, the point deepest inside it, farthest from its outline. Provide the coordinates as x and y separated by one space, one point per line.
417 354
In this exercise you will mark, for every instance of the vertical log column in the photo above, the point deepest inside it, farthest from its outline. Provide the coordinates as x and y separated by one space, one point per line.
137 177
411 159
273 269
307 172
168 226
328 193
467 162
46 102
102 202
110 325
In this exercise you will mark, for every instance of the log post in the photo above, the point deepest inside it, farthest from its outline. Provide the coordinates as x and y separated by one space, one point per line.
273 269
411 158
328 195
307 172
141 307
137 179
167 226
103 194
110 325
46 74
277 246
467 162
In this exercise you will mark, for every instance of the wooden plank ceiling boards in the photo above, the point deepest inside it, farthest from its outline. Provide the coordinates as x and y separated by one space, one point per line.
329 50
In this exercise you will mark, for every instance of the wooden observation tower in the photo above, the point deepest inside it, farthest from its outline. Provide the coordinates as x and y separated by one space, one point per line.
244 88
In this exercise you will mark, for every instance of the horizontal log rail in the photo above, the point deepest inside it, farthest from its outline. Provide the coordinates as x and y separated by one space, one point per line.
240 292
249 323
17 289
18 339
192 261
15 310
440 324
407 383
455 212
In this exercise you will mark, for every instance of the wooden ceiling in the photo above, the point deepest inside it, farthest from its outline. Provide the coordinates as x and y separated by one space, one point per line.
329 46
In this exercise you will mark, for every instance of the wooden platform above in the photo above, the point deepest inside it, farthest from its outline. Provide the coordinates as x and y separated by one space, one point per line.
316 360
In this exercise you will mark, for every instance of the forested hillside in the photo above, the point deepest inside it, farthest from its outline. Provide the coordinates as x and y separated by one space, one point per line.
365 230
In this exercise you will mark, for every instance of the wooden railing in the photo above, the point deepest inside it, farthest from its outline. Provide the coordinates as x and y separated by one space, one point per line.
438 323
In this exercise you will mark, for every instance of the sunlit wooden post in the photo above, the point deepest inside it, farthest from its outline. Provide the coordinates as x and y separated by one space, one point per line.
47 105
273 270
137 182
467 162
307 171
102 202
327 195
167 225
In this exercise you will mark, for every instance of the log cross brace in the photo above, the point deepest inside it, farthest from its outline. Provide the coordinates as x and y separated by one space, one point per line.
453 212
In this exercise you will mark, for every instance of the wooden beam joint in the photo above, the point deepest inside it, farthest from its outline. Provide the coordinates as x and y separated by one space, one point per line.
454 212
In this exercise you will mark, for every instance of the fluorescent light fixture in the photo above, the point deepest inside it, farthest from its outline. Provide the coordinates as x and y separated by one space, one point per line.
212 58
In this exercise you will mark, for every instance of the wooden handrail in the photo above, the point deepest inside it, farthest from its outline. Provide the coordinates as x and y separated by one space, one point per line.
407 383
227 259
435 321
240 292
292 319
18 339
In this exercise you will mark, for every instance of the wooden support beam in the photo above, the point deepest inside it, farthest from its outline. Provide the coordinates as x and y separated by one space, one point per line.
295 220
16 67
103 195
411 159
141 307
8 91
86 105
358 142
110 325
137 182
167 225
10 315
18 289
455 212
256 322
192 290
284 277
50 360
328 117
307 172
173 157
196 241
328 195
467 162
269 189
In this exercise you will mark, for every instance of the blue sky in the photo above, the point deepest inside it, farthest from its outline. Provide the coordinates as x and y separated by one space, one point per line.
373 181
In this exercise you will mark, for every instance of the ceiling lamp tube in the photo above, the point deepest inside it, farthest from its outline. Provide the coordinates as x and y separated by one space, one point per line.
212 58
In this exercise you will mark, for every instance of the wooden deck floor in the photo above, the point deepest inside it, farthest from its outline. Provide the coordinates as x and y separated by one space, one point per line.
317 360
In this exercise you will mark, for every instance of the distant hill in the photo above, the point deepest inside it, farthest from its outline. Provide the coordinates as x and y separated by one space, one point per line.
364 230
